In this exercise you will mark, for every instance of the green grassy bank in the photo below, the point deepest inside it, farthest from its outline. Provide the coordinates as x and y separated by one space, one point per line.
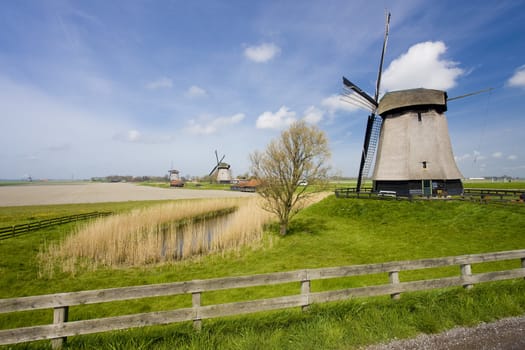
333 232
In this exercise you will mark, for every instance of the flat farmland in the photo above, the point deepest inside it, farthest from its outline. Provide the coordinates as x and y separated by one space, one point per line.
48 194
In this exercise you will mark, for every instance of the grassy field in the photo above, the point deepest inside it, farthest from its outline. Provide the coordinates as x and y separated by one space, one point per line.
333 232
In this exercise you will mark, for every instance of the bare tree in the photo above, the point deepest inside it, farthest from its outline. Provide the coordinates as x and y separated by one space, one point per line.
288 167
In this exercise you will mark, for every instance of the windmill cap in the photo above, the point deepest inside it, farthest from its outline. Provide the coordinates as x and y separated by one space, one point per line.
396 101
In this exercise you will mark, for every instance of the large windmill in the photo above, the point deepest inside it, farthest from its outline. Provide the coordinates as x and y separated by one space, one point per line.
221 171
409 130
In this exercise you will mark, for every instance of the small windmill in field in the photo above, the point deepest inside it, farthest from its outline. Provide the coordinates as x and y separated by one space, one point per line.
408 131
221 172
175 180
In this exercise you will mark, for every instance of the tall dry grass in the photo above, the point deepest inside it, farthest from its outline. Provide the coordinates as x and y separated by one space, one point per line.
163 233
167 232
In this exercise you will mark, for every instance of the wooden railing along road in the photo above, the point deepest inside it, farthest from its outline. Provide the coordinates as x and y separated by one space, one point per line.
60 303
15 230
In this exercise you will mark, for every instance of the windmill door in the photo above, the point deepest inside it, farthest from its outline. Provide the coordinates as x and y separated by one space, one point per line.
427 188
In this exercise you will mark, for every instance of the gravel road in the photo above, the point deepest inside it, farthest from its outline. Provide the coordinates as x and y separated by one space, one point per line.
505 334
99 192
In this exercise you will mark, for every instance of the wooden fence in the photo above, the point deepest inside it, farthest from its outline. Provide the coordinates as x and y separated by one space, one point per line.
15 230
486 194
351 192
482 195
60 303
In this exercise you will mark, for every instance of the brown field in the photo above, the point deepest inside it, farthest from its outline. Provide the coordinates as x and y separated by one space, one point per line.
100 192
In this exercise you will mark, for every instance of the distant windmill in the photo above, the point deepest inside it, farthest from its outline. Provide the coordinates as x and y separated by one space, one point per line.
414 153
175 180
221 171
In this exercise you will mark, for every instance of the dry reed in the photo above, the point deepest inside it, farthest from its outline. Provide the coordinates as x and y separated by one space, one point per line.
167 232
163 233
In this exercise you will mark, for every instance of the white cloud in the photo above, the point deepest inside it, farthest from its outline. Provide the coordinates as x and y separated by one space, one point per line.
195 91
512 157
262 53
497 154
478 156
336 103
161 83
518 79
98 85
422 66
137 137
282 118
128 136
313 115
207 127
462 158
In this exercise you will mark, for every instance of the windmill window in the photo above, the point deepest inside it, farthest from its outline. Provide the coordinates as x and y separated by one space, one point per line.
424 164
418 116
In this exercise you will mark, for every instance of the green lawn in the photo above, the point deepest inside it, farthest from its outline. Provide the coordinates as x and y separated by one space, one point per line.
333 232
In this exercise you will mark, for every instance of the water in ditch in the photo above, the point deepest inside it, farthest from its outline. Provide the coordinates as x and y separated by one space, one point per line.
200 236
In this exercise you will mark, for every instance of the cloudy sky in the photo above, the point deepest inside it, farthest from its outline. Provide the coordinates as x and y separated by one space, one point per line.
95 88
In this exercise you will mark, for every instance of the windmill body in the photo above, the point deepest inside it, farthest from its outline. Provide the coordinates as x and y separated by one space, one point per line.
414 153
224 175
175 180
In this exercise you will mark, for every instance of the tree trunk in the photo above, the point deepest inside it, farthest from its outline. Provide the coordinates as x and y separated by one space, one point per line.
284 228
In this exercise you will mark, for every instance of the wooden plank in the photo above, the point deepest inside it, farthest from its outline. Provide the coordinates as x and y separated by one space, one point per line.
12 336
415 286
496 276
384 289
239 308
136 292
344 294
355 270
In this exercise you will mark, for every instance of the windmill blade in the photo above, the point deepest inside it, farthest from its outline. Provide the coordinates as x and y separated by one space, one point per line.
220 161
358 91
216 156
385 40
213 170
471 94
356 100
364 153
372 116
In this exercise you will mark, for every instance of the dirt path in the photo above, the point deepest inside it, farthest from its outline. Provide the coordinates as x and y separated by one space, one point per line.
99 192
505 334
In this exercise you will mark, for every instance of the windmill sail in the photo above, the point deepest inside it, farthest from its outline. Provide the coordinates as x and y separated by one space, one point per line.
218 163
373 125
372 141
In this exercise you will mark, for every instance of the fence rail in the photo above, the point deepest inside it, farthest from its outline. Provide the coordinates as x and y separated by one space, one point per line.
60 303
488 193
15 230
474 194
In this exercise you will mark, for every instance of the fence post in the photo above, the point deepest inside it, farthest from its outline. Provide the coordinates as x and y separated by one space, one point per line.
523 264
466 271
393 277
305 290
60 315
196 303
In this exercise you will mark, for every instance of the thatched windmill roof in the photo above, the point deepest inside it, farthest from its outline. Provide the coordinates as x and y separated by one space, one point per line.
412 98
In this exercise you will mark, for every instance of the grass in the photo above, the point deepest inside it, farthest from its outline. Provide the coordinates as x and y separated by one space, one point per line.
333 232
514 185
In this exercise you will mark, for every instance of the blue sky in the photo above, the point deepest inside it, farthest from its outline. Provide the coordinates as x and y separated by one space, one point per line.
94 88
